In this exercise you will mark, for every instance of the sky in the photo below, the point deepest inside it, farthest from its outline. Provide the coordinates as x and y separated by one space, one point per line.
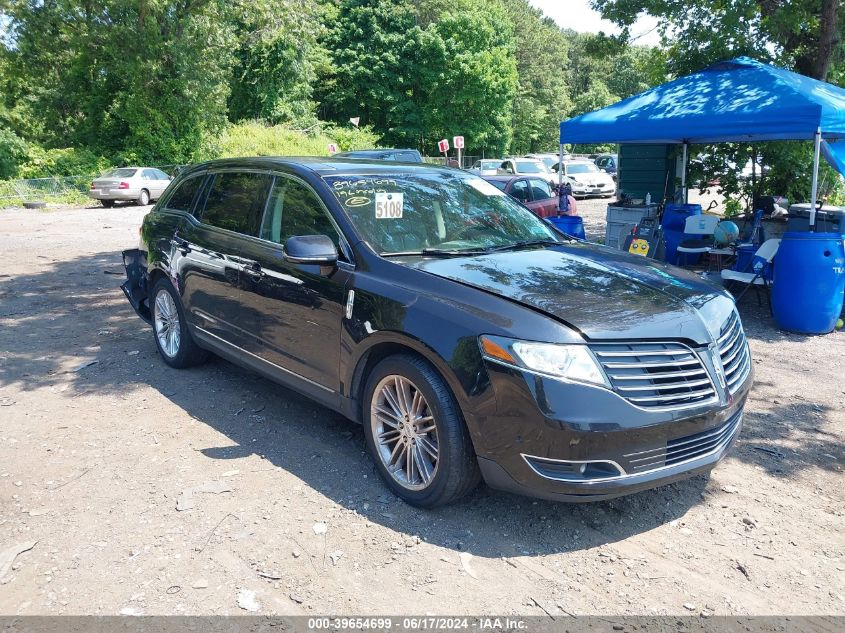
578 16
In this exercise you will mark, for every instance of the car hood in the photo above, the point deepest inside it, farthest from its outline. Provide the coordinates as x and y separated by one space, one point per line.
603 293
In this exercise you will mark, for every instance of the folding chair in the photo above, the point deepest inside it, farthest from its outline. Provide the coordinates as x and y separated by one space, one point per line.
702 225
759 271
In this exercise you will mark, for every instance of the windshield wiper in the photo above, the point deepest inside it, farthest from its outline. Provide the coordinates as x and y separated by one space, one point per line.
438 252
524 244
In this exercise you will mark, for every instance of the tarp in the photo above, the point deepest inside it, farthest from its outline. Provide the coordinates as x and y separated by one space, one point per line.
737 100
834 153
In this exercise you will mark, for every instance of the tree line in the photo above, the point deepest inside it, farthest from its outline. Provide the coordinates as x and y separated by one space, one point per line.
89 83
159 81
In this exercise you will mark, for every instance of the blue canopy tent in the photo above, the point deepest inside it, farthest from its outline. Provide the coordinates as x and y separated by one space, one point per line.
740 100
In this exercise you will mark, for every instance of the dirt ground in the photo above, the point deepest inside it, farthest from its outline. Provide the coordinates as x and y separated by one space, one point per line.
147 490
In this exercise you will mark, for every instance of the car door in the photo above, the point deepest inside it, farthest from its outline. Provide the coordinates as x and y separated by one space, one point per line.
149 181
295 310
521 191
228 215
161 181
543 202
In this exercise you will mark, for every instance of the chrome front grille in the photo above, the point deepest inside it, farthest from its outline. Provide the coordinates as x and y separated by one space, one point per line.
684 449
656 375
733 350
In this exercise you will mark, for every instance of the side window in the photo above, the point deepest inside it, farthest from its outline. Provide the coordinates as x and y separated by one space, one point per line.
183 196
160 174
540 189
295 209
148 174
235 202
519 190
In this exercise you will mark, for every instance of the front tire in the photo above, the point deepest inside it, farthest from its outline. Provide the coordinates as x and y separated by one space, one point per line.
170 330
143 199
416 434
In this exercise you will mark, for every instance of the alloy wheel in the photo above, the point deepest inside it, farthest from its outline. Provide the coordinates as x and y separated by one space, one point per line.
405 432
166 318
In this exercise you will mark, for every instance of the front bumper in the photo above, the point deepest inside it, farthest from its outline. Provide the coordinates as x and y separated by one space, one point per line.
590 190
545 429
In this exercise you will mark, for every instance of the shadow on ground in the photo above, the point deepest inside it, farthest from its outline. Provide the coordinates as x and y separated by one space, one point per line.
73 312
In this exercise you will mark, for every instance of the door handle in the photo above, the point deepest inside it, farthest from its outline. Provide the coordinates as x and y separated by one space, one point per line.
181 245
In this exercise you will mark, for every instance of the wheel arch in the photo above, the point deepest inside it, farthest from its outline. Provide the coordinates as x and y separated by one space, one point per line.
392 345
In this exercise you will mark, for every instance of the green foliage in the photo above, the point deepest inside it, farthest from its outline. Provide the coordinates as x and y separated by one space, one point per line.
255 138
348 138
12 153
68 161
542 96
375 52
161 81
276 66
469 77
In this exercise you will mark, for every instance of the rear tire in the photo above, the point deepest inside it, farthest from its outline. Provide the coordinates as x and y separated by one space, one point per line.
409 410
170 329
108 204
144 198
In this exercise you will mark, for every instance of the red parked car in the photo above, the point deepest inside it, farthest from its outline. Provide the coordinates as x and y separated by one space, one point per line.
535 193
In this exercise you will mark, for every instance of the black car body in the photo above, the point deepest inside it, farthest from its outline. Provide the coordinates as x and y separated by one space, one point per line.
664 355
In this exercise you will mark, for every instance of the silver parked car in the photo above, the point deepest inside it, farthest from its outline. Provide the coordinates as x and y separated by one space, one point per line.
485 167
140 184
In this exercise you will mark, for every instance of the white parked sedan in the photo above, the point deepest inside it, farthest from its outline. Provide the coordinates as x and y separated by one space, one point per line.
527 167
141 184
587 179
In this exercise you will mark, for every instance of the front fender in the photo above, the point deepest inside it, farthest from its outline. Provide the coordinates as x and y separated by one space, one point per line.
446 336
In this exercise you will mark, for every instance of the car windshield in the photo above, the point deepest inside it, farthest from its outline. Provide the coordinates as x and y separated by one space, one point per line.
530 167
123 172
548 161
489 164
581 168
435 213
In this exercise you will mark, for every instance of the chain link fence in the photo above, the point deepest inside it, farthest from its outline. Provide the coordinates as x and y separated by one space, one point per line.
56 187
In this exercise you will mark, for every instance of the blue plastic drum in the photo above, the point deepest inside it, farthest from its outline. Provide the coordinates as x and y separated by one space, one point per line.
570 224
675 216
809 282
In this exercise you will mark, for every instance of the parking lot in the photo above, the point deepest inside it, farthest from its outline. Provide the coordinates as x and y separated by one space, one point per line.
146 490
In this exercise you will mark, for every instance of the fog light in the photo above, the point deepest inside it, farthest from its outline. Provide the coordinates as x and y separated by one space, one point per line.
574 471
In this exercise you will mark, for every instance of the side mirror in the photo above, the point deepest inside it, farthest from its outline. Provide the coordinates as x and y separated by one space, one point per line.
317 250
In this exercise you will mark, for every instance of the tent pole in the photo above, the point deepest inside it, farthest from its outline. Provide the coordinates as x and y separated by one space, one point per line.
560 176
684 174
815 192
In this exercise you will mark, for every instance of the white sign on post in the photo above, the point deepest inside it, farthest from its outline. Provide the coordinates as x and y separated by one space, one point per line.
443 146
458 142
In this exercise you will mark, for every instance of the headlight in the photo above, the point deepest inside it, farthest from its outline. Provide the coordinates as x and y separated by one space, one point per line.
570 362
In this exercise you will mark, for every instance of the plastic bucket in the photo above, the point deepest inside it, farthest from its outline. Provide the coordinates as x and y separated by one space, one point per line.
570 224
809 282
744 255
